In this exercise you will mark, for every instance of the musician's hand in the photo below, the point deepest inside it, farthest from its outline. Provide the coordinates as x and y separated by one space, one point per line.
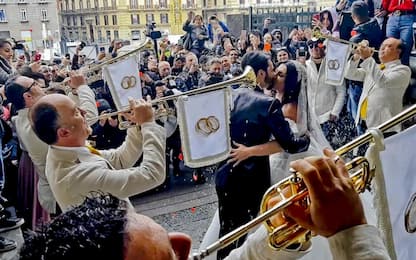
141 112
239 154
113 122
76 80
103 120
278 219
335 204
316 22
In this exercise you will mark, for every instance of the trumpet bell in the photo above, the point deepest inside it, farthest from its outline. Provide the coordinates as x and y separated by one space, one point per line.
293 191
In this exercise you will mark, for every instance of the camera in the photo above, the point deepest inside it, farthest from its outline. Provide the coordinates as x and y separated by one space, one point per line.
82 45
150 31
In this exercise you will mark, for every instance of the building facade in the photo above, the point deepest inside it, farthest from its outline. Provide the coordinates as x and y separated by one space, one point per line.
100 21
34 21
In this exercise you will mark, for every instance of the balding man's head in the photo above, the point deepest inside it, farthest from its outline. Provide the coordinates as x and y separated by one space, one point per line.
164 69
23 91
56 119
391 49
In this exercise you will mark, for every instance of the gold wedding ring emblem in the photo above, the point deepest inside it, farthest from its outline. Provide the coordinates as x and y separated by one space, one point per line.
128 82
410 215
333 64
207 125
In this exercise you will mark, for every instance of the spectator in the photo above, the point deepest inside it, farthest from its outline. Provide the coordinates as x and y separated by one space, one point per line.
197 33
213 24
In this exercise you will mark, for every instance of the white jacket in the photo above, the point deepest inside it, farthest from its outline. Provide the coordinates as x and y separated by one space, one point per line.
383 88
323 98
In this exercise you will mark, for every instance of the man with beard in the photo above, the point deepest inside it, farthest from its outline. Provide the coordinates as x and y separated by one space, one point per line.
254 118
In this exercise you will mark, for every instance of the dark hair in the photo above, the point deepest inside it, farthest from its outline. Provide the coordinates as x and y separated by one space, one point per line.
292 85
27 72
4 42
321 18
360 10
213 17
44 118
14 93
93 230
257 60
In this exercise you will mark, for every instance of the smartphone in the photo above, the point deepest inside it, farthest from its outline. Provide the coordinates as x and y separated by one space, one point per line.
316 16
267 47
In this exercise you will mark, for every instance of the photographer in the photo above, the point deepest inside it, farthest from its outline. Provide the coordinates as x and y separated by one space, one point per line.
77 61
6 55
214 74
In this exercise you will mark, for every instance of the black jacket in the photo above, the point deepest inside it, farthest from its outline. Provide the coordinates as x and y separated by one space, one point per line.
369 31
254 118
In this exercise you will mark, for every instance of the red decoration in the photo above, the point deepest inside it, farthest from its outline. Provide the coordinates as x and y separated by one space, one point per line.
353 33
321 45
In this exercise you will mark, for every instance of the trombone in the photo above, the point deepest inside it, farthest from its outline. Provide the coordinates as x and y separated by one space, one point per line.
316 33
290 232
248 77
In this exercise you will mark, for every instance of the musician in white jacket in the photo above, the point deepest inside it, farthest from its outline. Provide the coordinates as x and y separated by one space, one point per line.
324 99
384 84
104 227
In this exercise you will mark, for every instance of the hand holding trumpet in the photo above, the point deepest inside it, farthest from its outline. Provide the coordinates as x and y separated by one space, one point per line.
363 51
140 112
334 202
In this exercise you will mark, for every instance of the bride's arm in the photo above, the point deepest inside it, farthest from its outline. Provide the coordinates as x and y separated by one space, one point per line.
290 111
242 152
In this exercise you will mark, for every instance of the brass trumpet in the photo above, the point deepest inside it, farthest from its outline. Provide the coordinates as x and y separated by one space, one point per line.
316 33
290 232
92 72
248 77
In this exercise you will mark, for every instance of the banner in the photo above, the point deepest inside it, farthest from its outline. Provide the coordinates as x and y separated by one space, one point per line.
336 60
204 123
124 82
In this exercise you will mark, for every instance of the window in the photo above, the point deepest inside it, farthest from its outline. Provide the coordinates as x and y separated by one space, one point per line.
163 3
105 3
108 35
44 14
71 36
2 1
73 4
97 20
134 4
23 15
84 36
66 5
81 20
88 4
114 3
135 35
116 34
114 18
3 17
68 21
81 4
148 4
105 19
74 20
96 4
149 18
99 35
164 19
135 19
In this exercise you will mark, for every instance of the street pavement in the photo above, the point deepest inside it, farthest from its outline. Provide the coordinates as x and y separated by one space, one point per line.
182 206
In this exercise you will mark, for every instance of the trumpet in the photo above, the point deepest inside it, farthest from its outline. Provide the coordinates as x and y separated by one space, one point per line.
248 77
316 33
92 73
290 232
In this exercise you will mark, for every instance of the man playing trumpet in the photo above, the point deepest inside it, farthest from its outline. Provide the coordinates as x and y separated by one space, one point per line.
74 170
384 84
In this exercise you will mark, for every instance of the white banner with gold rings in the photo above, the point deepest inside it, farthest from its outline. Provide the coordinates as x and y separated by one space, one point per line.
398 166
123 81
204 126
336 59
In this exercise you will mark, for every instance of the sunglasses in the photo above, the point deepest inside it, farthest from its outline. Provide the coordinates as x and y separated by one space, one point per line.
30 87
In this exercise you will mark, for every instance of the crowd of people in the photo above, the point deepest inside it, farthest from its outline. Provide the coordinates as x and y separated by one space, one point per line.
57 151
